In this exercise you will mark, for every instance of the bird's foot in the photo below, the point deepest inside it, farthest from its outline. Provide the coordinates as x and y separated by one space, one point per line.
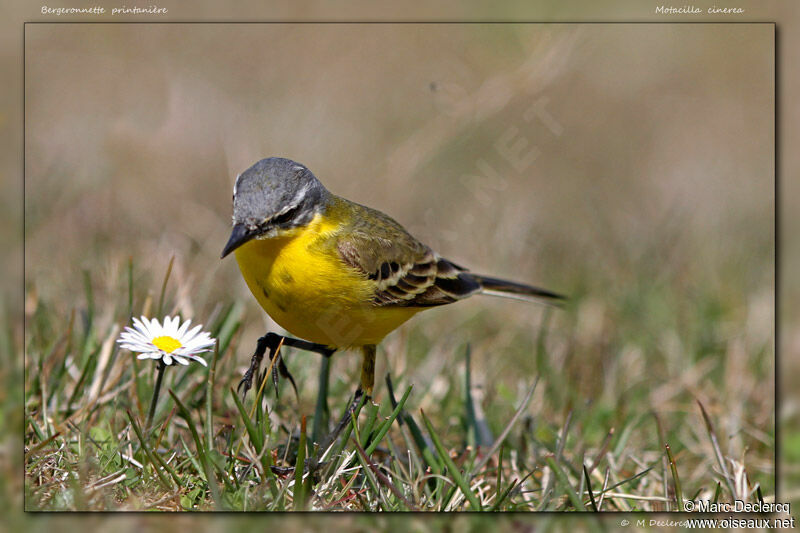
272 342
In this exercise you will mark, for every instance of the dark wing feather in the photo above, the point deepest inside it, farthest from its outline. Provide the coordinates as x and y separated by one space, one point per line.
407 273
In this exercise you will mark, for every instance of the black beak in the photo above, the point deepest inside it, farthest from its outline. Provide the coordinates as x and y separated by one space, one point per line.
239 236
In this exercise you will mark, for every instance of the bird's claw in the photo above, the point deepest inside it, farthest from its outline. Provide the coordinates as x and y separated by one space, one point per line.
280 368
272 343
247 380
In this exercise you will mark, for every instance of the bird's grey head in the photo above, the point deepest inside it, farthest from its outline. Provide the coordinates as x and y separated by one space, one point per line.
273 195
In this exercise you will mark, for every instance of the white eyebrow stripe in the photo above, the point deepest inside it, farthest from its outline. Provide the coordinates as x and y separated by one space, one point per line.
301 194
236 183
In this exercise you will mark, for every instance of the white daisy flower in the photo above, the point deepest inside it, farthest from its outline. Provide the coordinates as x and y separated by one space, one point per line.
167 342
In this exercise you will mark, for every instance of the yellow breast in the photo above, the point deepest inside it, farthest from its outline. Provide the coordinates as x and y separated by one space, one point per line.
300 281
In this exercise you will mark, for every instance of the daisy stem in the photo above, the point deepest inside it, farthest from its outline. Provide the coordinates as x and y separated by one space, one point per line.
156 391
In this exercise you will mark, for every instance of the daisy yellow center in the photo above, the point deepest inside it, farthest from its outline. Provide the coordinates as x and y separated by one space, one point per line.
166 343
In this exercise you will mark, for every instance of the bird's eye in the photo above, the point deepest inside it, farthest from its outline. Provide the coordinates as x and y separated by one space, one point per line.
283 218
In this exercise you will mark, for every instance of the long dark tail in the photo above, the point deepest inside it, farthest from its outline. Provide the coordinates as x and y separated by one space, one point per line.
519 291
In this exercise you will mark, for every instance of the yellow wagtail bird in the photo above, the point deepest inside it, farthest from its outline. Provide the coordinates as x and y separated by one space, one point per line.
335 273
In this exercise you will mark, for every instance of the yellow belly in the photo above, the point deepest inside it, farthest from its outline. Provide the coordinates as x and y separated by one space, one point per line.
311 293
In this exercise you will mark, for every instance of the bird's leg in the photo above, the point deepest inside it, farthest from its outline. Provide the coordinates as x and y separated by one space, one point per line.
321 411
346 417
313 464
365 389
273 342
280 366
368 368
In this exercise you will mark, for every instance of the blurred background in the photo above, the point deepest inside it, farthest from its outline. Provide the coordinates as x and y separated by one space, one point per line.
594 160
630 167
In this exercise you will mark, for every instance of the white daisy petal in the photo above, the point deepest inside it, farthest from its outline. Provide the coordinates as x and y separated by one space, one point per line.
133 336
203 348
141 342
140 338
126 338
144 327
200 340
137 325
183 328
198 350
205 341
198 359
156 328
193 332
131 347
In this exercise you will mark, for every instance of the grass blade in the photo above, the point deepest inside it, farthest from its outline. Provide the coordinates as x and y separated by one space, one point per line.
254 435
416 434
562 479
451 466
369 423
502 497
212 373
346 433
478 432
589 489
676 480
499 481
230 325
193 460
186 415
87 286
717 450
81 384
160 307
507 429
299 467
381 477
632 478
370 477
130 287
151 456
384 428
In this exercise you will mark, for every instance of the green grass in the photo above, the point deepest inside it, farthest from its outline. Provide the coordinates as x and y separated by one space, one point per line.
454 427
